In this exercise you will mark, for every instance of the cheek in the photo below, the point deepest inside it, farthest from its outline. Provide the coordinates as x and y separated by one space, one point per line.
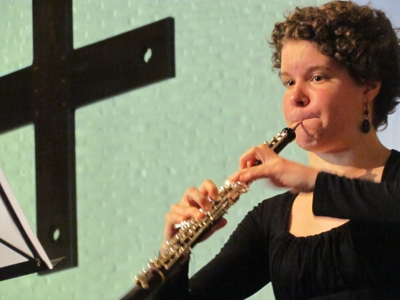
286 110
286 104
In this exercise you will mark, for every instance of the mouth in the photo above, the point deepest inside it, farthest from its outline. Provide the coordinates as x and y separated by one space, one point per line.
305 125
297 125
304 120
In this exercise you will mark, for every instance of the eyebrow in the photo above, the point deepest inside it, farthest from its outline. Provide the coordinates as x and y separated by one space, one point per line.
309 70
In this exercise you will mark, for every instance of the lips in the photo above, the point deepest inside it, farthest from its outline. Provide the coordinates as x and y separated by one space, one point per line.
301 119
298 122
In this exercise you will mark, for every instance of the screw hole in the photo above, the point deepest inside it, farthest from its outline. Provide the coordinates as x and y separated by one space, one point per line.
147 55
56 234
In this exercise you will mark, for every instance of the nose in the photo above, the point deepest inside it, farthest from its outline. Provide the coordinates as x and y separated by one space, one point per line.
299 97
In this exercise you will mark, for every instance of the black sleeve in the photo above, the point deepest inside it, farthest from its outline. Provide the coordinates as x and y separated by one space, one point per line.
356 199
238 271
241 267
175 287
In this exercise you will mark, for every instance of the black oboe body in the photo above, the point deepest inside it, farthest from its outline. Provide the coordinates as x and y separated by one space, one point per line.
176 251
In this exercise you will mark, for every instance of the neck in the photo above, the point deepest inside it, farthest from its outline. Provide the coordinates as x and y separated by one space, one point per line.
353 161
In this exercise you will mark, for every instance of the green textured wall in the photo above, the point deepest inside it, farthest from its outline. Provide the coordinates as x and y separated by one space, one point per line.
138 152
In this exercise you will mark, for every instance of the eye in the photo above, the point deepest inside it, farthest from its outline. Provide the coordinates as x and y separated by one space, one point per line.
288 83
317 78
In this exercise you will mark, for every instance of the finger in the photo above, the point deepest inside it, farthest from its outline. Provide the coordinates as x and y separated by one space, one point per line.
248 158
235 177
196 198
179 213
254 156
208 189
184 212
250 174
247 175
221 223
218 225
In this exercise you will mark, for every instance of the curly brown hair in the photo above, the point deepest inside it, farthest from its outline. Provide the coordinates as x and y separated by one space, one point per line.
360 38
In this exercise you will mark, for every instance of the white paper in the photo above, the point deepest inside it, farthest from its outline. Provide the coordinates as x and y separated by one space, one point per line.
10 233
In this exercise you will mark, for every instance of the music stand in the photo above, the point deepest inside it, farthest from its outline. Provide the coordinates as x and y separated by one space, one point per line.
20 251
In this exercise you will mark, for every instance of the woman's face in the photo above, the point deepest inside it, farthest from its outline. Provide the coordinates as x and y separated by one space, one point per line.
320 93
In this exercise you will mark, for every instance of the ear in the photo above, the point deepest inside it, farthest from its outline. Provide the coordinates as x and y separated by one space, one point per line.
372 89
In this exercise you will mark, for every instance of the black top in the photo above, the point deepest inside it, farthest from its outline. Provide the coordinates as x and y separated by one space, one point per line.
357 260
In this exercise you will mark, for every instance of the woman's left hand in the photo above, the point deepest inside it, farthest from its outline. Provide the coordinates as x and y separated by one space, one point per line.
281 172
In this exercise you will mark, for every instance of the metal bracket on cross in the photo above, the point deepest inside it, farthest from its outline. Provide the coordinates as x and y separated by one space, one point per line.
60 80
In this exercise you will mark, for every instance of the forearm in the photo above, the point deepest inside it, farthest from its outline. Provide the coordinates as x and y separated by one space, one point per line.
362 200
176 286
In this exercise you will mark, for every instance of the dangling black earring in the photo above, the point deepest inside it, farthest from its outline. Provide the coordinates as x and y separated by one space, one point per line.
365 126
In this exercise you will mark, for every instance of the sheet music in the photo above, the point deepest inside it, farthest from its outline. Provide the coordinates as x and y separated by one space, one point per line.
11 234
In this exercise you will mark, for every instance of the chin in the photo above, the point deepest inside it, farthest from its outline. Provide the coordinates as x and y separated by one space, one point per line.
307 146
306 141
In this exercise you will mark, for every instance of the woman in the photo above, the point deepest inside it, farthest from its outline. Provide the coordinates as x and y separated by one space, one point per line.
336 234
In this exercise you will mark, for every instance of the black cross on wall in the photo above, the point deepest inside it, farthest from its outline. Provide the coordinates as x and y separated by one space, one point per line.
60 80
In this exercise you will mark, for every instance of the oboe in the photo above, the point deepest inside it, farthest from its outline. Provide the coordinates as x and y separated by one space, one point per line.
176 250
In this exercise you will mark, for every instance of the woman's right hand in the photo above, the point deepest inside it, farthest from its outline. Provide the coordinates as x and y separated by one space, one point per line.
192 204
